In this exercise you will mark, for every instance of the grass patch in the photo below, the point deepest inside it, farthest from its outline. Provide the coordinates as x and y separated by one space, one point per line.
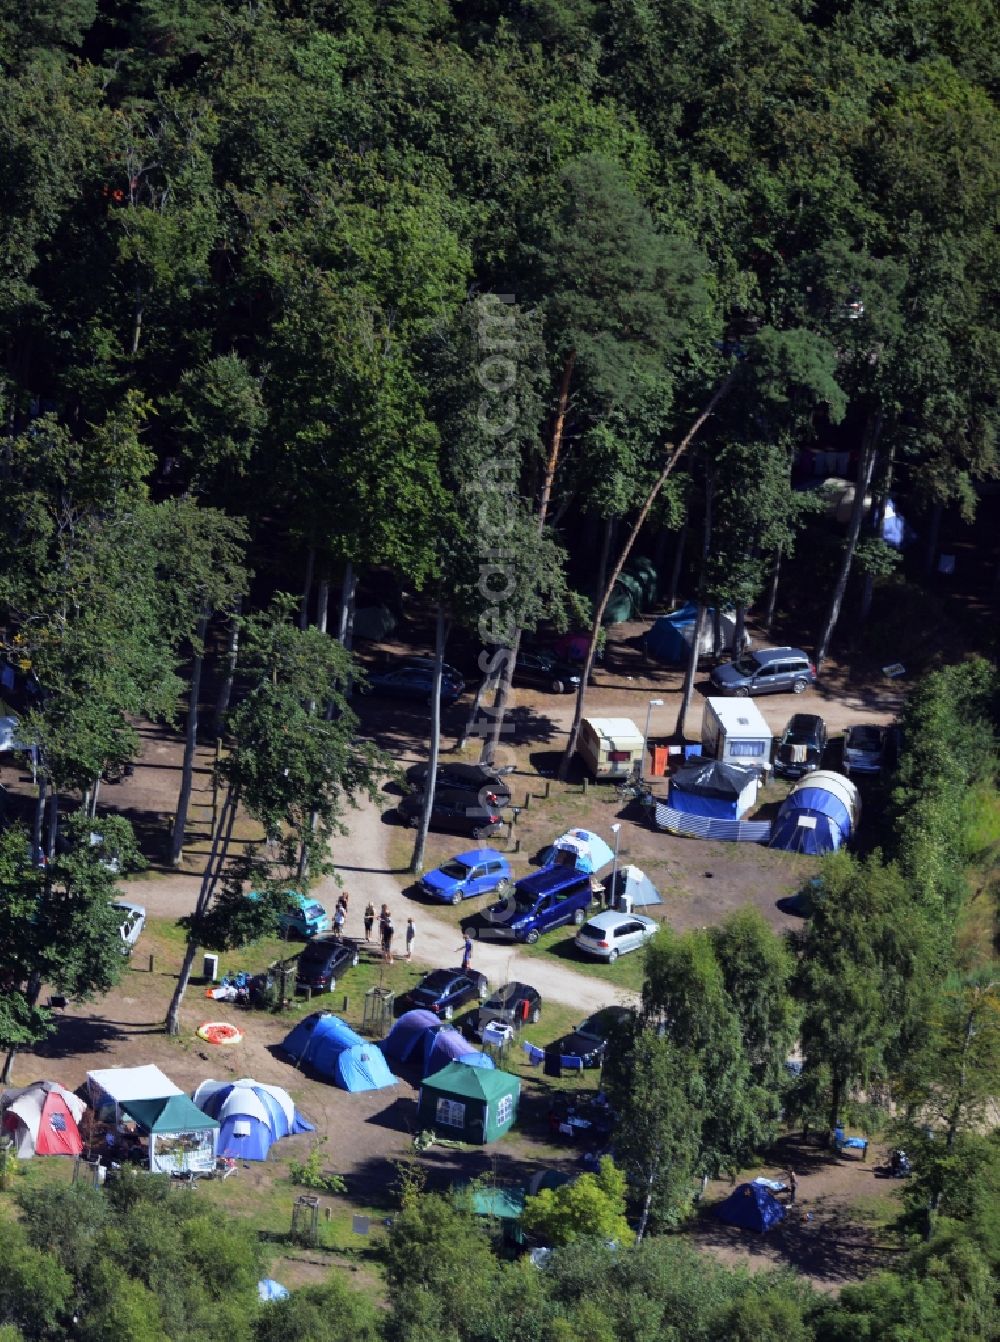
981 823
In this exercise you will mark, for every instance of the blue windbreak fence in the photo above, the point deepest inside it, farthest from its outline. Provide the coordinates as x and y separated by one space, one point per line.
711 827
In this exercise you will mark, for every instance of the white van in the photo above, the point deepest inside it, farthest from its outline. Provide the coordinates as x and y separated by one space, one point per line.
610 747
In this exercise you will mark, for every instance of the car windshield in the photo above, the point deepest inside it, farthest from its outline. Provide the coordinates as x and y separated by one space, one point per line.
865 738
801 735
592 930
746 666
455 871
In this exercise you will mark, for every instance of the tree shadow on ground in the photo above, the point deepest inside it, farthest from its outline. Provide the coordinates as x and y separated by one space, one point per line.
79 1035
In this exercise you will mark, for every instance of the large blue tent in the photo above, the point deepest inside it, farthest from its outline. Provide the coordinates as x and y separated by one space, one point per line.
251 1116
668 638
751 1207
412 1037
713 788
449 1045
336 1053
819 815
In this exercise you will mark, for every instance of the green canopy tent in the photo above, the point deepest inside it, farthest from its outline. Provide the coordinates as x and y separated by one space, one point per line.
181 1137
468 1103
501 1203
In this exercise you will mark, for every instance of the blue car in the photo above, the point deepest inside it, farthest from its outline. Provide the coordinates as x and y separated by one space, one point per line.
467 875
413 678
444 991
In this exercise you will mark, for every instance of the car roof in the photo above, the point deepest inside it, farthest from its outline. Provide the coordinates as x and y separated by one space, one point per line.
772 654
127 907
612 917
798 721
551 878
476 855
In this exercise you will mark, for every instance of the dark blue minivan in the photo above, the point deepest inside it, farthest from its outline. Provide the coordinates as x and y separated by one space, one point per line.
546 899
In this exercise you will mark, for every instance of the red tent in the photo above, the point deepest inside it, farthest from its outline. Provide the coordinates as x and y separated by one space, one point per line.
42 1119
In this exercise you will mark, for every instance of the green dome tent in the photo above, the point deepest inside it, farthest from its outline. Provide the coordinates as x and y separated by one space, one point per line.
468 1103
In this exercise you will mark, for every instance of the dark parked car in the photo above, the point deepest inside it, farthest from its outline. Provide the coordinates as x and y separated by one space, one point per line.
413 678
768 671
478 778
514 1004
801 745
545 671
589 1041
454 811
444 991
323 961
864 749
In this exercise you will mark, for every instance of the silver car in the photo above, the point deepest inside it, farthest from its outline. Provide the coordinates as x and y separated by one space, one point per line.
611 934
864 749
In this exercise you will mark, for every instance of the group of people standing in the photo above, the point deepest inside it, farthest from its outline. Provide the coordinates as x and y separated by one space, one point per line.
386 927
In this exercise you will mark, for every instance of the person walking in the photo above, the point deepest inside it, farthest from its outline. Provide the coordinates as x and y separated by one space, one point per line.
793 1185
387 930
466 949
411 933
369 920
338 922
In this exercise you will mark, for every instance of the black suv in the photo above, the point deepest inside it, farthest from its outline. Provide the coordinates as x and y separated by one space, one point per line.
514 1004
455 811
323 961
769 671
801 745
479 778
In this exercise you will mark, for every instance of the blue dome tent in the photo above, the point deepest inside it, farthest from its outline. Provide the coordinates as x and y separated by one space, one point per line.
251 1116
336 1053
412 1037
449 1045
751 1207
819 815
668 638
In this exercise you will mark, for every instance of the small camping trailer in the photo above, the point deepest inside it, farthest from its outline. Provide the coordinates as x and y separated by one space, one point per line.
819 815
714 788
610 747
751 1207
333 1050
469 1103
735 731
252 1116
41 1119
669 638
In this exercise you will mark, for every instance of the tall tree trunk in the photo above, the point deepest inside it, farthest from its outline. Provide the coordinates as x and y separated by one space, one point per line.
716 630
658 557
691 669
232 653
647 1204
32 993
492 740
836 1100
38 823
772 592
675 570
673 458
558 431
866 460
138 306
430 786
95 792
933 537
307 585
607 537
322 604
53 825
877 521
210 878
190 741
487 683
739 630
345 618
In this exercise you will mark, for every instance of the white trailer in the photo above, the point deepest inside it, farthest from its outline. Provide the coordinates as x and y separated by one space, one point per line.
610 747
734 730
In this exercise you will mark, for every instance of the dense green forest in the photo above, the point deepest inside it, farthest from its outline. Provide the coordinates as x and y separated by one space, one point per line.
293 294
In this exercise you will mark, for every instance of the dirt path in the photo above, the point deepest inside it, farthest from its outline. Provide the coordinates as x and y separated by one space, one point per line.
370 877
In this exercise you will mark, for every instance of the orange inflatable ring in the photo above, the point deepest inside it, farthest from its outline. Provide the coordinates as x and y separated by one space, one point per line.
219 1032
